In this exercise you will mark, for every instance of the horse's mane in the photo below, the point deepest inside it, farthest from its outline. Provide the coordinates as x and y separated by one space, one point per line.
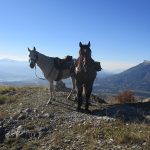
84 55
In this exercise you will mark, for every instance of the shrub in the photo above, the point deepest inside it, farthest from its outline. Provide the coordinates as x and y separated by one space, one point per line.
125 97
2 99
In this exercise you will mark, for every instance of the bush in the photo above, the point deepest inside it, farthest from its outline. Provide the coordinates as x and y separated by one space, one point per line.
125 97
2 99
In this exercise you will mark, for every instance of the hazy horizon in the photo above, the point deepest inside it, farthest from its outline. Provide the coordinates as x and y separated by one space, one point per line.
106 66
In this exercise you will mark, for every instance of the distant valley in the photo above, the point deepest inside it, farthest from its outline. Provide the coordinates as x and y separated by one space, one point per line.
14 72
11 70
137 78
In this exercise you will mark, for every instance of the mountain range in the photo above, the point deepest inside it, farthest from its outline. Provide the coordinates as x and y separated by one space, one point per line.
14 72
11 70
136 78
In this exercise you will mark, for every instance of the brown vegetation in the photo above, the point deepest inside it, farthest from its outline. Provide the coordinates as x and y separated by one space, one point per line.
123 97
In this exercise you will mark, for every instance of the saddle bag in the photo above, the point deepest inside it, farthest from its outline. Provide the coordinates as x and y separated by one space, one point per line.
98 66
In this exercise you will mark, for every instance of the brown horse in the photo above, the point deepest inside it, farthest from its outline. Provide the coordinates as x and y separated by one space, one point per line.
85 74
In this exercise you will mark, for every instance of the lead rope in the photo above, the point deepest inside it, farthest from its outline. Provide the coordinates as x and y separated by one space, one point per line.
37 75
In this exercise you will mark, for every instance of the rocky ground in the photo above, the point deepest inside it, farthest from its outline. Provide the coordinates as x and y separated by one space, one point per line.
27 123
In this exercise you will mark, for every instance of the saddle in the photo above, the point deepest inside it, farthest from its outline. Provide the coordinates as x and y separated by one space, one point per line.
62 64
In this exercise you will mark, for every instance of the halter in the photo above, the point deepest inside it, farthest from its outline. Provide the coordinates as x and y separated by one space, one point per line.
35 60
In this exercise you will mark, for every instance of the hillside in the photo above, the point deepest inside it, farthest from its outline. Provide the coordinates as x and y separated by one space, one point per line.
26 122
136 78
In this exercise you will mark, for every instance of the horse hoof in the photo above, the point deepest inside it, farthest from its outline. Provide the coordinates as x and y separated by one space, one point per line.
76 99
79 110
87 111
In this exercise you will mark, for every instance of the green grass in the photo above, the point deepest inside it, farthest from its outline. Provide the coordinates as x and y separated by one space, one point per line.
6 89
6 99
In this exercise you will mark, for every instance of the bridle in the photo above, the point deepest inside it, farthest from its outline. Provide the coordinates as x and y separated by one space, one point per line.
33 61
85 54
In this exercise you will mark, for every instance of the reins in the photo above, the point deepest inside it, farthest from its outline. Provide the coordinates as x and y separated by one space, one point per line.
40 77
37 75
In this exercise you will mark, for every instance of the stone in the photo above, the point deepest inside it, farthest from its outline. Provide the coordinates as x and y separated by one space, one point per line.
46 115
28 111
10 134
21 116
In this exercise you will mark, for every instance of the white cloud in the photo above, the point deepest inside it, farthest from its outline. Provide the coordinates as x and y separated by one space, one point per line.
116 66
14 57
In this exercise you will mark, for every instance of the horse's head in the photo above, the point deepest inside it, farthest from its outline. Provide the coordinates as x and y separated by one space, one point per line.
84 56
33 57
85 51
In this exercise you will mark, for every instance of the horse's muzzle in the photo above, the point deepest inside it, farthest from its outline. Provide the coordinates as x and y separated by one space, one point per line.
32 65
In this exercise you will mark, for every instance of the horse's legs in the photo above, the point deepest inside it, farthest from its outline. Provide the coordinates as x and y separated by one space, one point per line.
73 87
51 90
88 90
79 95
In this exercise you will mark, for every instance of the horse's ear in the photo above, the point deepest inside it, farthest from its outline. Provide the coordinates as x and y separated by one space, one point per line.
80 44
89 44
34 48
29 50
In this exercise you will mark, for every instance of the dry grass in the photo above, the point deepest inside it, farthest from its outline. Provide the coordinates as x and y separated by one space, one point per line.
89 135
127 133
85 134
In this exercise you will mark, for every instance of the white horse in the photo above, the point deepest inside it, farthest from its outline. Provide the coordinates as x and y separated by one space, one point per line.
51 73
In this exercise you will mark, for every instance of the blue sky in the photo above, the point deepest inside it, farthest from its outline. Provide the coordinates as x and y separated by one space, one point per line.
119 30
